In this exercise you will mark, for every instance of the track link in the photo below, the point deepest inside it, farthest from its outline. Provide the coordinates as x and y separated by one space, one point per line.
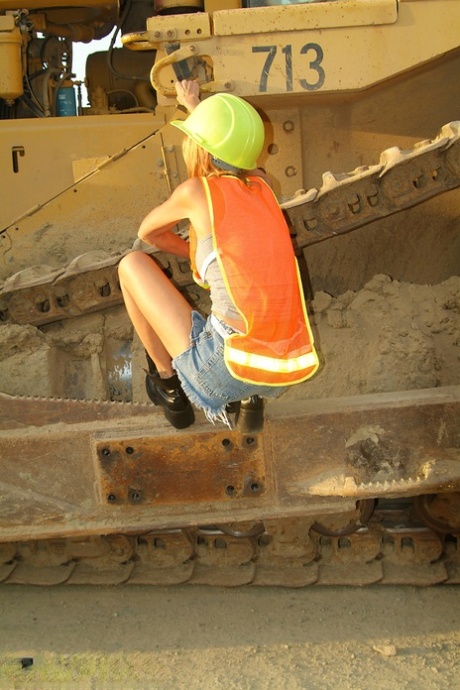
345 202
287 553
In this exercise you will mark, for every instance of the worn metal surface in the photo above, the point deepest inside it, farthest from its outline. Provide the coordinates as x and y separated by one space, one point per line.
300 50
287 554
219 465
108 202
313 458
345 202
59 151
71 471
401 180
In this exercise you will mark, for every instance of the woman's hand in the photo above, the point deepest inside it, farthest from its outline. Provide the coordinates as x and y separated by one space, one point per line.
188 93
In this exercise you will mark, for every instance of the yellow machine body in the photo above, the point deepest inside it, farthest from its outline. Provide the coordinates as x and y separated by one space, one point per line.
356 475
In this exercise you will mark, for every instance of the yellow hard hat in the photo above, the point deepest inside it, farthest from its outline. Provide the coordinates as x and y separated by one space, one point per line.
228 127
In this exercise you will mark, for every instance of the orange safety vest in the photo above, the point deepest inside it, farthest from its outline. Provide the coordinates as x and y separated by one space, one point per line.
255 254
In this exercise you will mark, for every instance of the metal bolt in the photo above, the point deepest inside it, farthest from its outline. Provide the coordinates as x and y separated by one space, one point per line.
230 490
129 450
333 211
105 451
290 171
264 540
111 498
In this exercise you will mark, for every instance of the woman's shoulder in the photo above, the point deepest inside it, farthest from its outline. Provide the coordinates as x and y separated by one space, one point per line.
188 193
191 185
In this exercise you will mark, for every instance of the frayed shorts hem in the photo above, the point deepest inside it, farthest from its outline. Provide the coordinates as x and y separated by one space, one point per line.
212 414
204 376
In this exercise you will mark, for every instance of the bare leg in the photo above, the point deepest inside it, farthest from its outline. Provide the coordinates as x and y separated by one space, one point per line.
159 313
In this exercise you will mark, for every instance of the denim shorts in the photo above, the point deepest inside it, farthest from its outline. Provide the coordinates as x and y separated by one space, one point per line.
204 376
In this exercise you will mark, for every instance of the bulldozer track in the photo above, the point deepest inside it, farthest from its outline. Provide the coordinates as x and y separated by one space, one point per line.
393 546
286 553
377 536
345 202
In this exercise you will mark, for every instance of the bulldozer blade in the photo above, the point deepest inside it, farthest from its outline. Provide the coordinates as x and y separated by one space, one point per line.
79 468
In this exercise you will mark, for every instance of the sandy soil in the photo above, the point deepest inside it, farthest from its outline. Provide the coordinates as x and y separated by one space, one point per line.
388 336
193 638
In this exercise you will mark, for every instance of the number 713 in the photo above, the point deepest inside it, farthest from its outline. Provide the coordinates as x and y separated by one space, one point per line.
312 50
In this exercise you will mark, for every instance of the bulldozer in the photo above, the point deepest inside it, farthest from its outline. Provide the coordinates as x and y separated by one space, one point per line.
355 477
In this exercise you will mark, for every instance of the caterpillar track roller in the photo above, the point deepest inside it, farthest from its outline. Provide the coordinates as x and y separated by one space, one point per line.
355 477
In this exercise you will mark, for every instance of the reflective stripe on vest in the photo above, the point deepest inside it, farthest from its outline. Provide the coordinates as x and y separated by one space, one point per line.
285 366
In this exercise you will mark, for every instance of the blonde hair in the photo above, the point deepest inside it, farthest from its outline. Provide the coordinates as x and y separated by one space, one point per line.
199 162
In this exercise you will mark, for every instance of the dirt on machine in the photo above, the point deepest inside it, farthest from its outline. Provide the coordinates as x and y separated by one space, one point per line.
355 477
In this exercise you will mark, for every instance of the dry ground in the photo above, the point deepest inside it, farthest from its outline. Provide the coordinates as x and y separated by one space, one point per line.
193 638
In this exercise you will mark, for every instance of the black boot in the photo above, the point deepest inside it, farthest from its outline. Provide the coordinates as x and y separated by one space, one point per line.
232 407
250 415
169 394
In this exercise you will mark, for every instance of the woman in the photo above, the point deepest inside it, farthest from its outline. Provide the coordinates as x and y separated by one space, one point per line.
257 339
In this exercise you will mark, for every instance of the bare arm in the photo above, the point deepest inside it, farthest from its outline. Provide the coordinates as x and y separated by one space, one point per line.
164 217
187 201
156 228
173 244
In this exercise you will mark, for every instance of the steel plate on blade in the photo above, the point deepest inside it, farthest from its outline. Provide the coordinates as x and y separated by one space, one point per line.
176 469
